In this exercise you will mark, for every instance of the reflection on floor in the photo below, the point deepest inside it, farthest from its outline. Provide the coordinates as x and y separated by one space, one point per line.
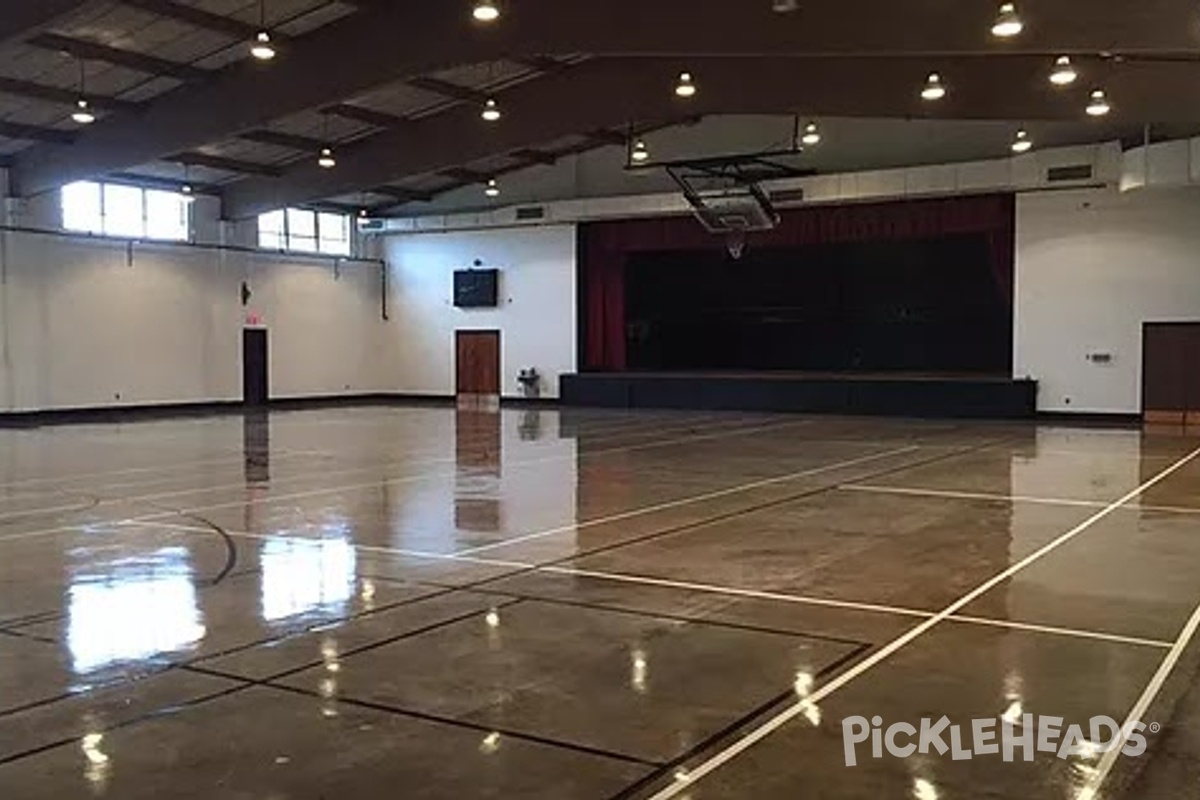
588 604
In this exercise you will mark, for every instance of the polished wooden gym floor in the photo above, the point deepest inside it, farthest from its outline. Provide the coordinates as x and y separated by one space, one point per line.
425 602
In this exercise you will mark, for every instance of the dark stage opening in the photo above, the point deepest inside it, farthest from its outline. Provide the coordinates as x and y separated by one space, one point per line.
934 305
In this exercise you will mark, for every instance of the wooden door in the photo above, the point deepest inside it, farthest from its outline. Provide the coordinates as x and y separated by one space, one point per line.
1171 372
478 362
255 386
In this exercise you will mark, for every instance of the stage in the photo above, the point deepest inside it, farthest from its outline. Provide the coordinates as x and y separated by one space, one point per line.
884 394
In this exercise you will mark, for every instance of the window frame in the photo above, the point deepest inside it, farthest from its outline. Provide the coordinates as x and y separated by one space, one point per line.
101 226
316 243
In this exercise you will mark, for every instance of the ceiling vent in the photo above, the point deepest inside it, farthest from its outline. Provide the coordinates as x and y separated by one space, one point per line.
1072 173
531 213
787 197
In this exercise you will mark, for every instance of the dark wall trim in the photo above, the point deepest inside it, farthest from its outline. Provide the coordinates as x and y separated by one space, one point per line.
123 414
1092 419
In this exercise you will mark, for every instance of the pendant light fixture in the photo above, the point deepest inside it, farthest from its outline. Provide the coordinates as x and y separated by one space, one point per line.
1064 73
491 111
811 135
262 47
1098 106
1022 143
83 114
492 189
1008 24
640 154
686 86
486 11
934 88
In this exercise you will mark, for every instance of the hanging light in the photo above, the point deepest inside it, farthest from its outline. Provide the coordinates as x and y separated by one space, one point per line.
1022 144
811 135
1098 106
261 48
1064 73
486 11
640 153
1007 24
492 189
686 86
326 159
934 89
83 113
491 111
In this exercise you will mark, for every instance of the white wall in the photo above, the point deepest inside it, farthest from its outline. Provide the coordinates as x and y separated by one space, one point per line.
536 316
88 323
1092 266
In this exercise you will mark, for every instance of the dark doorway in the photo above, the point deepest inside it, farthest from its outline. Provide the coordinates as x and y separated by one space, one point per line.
1171 372
255 389
478 362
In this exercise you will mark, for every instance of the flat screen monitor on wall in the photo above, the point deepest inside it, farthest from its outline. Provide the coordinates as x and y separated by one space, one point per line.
477 288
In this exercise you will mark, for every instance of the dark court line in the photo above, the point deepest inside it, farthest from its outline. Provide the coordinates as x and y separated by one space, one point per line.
669 616
485 729
195 667
730 730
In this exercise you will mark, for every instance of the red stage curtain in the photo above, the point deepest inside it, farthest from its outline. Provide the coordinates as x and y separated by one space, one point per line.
605 248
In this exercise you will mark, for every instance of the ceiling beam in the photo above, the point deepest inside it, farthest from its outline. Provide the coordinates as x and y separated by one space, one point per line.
35 133
464 175
20 20
605 93
604 136
196 17
55 94
453 91
402 194
291 141
140 62
390 41
532 155
225 164
157 182
368 116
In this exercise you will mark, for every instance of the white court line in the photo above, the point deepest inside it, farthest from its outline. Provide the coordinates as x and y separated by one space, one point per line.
267 500
1011 498
687 779
700 588
687 501
1137 714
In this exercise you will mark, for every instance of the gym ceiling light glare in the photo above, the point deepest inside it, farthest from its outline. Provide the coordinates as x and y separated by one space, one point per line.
1098 106
934 89
1064 73
486 11
686 86
83 113
262 49
1007 24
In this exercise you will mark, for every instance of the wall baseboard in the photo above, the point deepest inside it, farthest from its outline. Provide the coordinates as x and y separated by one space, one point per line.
1097 419
100 415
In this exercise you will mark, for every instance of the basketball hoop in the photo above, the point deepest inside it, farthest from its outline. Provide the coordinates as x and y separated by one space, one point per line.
735 243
